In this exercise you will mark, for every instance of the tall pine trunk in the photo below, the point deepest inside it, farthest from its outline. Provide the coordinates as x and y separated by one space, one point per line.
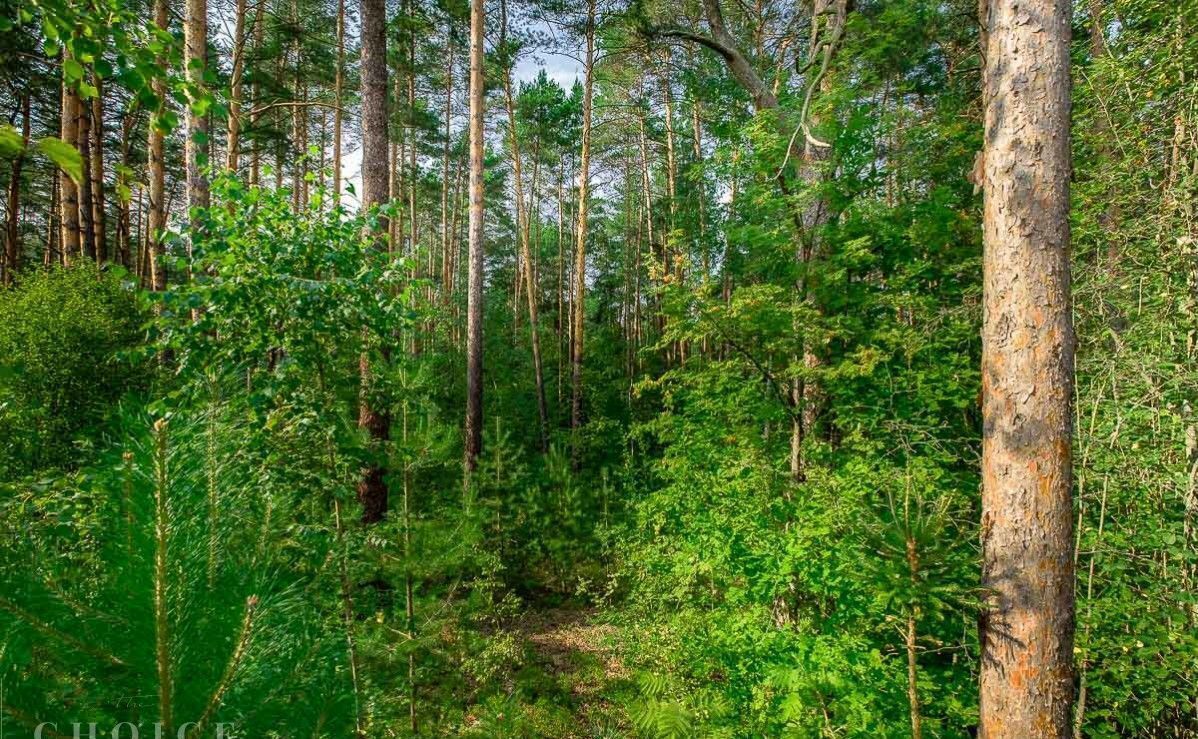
524 229
372 490
1027 375
99 225
338 84
580 262
474 290
68 188
195 28
233 138
156 218
83 140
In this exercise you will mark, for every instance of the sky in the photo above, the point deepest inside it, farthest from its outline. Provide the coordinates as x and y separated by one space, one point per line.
560 68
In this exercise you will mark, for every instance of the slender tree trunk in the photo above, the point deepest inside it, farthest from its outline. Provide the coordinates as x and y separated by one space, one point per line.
157 175
53 254
87 230
195 27
372 490
99 225
12 257
338 83
255 151
911 639
233 143
347 619
297 120
447 288
68 188
912 685
523 226
561 283
413 170
409 592
1027 375
580 263
474 291
128 124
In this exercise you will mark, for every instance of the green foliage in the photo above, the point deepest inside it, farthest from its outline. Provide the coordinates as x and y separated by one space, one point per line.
155 609
67 341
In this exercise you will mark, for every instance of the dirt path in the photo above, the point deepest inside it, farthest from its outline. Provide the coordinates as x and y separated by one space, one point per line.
582 656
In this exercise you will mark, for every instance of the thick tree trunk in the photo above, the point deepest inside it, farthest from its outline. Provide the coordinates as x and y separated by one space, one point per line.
474 290
69 189
580 261
372 490
1027 375
157 216
12 244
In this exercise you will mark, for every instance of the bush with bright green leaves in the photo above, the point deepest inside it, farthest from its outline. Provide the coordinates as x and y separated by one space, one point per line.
67 352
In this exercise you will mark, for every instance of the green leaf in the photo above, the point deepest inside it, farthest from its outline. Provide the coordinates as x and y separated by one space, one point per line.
72 69
11 142
64 155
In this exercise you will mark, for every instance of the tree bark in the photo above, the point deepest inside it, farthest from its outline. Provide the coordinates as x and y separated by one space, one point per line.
233 138
372 490
129 123
157 216
12 257
99 225
524 228
259 39
1027 375
474 291
195 28
87 231
68 188
338 83
580 263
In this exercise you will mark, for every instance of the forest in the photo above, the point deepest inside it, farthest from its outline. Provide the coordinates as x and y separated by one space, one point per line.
599 368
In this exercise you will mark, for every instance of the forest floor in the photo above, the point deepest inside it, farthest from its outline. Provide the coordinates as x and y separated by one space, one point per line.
580 668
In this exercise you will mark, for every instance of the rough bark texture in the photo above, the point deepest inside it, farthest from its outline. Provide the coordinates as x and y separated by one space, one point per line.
195 28
580 250
372 490
99 225
1027 375
474 291
157 175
